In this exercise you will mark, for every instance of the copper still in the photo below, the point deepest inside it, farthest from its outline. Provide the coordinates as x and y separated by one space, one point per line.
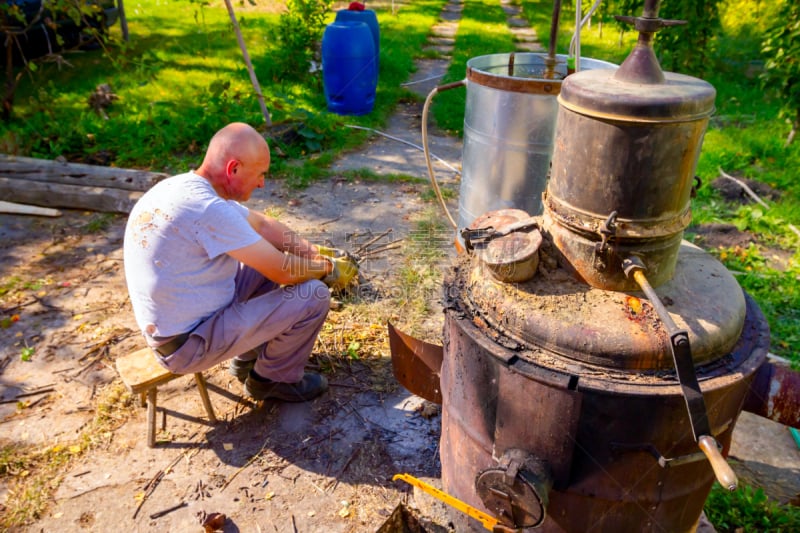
595 363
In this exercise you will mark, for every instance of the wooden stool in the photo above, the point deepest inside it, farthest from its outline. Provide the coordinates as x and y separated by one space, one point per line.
142 375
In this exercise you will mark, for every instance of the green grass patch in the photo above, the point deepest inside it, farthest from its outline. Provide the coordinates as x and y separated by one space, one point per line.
482 31
746 139
181 77
749 509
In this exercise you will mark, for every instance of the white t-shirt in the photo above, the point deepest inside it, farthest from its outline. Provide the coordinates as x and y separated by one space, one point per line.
175 254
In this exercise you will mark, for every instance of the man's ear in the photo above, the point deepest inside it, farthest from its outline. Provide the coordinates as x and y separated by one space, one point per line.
230 167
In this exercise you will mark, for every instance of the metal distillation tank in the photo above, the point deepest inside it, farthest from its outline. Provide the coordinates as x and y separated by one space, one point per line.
595 363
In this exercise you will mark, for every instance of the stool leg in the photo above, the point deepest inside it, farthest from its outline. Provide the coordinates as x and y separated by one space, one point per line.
151 417
201 386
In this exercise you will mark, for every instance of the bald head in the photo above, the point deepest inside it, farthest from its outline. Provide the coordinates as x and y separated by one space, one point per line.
236 161
235 141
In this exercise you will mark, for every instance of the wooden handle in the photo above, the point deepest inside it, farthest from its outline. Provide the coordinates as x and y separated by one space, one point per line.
723 471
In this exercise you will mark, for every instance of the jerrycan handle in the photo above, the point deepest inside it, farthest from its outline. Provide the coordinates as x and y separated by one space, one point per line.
426 150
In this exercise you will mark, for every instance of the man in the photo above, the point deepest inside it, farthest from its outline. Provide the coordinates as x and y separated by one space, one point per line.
211 280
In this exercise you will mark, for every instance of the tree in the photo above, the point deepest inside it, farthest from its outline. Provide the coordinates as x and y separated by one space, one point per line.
781 49
688 48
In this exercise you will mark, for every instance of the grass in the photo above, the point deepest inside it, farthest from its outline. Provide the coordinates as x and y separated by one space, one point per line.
181 77
747 140
749 509
482 31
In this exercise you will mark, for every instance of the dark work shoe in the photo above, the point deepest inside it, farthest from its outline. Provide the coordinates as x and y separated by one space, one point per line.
308 388
240 369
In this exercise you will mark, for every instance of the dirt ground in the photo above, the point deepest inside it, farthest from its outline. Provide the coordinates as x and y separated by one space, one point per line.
322 466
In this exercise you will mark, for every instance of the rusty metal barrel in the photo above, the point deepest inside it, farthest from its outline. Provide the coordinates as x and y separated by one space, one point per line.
578 382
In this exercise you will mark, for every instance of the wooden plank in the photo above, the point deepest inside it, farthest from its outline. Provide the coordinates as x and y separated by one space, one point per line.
72 196
23 209
140 371
30 169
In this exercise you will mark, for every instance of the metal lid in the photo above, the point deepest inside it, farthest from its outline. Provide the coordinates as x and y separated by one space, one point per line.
679 98
506 241
620 330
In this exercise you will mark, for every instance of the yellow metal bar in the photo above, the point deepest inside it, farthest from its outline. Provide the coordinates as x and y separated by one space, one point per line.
488 521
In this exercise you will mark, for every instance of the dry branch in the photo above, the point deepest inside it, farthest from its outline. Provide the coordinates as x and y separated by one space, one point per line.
745 188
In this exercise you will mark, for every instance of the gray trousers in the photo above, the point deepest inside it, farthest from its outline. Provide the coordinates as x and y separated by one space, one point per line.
275 325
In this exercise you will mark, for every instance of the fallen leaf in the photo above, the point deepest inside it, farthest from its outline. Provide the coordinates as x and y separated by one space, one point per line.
269 496
214 522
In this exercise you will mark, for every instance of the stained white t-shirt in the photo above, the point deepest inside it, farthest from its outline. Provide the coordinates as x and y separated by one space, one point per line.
175 254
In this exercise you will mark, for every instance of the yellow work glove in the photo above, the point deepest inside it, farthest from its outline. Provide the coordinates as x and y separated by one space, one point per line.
330 252
344 273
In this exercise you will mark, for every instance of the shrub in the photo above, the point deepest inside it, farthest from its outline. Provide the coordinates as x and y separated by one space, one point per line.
299 33
781 48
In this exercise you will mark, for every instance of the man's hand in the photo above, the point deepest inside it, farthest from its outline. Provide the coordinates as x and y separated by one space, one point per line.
344 273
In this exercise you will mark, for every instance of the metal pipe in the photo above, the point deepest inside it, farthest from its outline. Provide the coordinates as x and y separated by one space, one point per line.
650 10
578 4
775 392
550 62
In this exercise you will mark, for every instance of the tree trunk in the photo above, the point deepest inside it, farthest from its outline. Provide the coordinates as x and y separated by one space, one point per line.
73 185
70 196
27 169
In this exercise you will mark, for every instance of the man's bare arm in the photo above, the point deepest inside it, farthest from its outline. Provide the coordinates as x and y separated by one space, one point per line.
281 236
285 269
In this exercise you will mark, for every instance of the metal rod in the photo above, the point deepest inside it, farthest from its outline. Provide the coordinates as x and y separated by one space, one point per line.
550 62
650 10
687 377
661 310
